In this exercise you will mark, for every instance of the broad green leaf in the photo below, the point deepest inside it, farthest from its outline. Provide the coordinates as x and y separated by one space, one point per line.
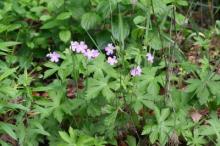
120 29
51 24
131 141
139 19
90 20
106 8
64 15
8 44
65 35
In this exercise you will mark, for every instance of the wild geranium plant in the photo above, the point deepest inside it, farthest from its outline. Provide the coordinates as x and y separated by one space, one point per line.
109 73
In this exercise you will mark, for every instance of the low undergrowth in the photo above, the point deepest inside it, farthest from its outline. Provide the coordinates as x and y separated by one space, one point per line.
109 72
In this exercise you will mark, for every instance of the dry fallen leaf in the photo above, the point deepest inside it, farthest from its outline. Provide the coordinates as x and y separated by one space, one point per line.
196 116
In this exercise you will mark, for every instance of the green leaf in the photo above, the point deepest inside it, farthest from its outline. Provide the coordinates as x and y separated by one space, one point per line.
164 114
4 45
97 86
139 19
147 129
137 106
8 128
90 20
45 17
72 133
58 114
64 15
110 120
54 4
7 73
131 141
153 88
214 87
107 92
65 136
203 95
149 104
49 72
193 85
106 8
153 136
65 35
51 24
17 106
180 19
120 29
8 44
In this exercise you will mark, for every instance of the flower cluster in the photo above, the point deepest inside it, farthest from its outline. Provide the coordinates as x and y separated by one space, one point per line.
81 47
109 49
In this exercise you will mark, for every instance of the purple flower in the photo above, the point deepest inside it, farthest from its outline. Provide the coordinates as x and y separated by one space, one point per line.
54 57
109 49
150 57
95 53
136 71
74 45
81 47
90 54
112 60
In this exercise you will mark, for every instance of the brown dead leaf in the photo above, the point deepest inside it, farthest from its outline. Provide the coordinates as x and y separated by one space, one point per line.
196 116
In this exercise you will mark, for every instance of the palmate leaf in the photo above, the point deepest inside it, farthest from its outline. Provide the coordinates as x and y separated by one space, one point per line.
28 134
212 129
77 138
97 86
7 73
147 76
9 129
99 66
110 120
203 88
46 107
162 129
149 81
53 68
143 100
